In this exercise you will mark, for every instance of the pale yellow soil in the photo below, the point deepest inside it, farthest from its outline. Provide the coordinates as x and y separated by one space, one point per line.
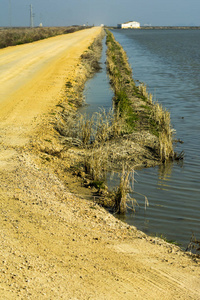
54 244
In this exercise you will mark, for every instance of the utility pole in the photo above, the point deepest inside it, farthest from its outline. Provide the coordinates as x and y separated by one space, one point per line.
10 14
31 16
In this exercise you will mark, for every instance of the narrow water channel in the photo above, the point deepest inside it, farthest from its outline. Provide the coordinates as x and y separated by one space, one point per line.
98 93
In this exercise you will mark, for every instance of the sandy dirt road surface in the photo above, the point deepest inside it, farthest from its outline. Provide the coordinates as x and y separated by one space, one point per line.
54 244
32 77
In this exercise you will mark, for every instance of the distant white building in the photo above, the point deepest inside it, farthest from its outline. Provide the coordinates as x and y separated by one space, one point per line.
130 24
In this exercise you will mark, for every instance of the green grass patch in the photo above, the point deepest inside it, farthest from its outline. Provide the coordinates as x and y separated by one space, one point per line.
161 236
146 107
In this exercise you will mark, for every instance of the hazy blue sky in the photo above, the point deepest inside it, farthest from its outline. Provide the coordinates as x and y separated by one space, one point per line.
109 12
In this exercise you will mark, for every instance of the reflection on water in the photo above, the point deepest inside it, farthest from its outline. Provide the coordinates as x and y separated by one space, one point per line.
164 174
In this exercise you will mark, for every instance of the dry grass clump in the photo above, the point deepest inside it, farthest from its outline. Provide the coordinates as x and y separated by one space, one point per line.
118 124
18 36
91 134
162 119
165 149
96 164
93 131
121 197
194 245
103 126
123 190
90 59
143 90
107 125
161 116
84 129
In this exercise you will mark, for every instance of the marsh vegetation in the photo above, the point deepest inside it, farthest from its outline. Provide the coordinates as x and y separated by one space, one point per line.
23 35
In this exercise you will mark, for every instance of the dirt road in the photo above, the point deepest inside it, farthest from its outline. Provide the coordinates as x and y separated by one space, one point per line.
53 244
32 77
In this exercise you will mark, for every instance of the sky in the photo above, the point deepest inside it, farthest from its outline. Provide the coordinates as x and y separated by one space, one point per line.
97 12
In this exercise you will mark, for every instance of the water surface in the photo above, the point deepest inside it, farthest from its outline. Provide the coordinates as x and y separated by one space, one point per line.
98 93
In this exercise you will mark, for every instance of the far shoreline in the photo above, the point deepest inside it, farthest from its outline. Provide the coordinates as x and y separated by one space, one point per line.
159 27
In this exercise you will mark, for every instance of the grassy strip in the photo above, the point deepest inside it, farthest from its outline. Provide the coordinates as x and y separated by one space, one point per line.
134 103
18 36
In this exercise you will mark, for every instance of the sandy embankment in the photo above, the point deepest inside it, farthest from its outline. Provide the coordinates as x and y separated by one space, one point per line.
55 245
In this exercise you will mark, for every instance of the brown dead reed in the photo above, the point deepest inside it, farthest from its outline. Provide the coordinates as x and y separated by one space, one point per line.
121 196
96 164
122 192
194 245
162 118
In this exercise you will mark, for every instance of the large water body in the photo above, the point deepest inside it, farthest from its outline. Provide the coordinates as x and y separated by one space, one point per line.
168 61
